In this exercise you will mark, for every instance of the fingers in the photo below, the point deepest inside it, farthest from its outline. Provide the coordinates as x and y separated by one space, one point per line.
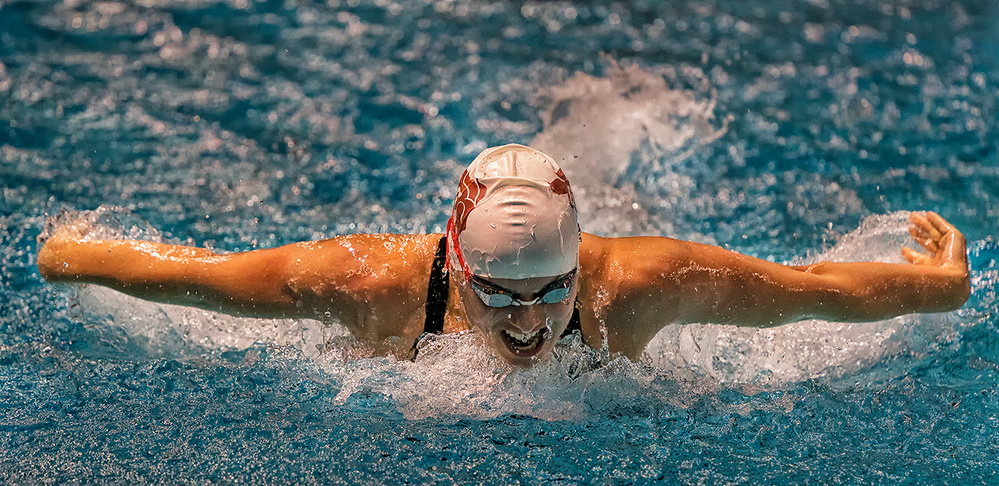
926 227
929 229
924 232
956 240
931 245
953 251
916 258
941 225
942 240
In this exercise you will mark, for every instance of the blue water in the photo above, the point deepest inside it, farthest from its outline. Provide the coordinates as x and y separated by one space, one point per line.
791 131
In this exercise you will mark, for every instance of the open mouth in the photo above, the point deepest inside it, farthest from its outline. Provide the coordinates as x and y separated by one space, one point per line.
525 345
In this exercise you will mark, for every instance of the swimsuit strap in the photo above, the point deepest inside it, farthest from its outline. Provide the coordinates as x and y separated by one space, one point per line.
573 322
437 291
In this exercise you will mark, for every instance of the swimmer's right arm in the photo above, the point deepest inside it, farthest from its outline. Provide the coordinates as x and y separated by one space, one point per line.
252 284
343 277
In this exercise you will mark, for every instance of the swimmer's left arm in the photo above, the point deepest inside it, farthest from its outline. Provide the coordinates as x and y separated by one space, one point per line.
694 283
754 292
936 281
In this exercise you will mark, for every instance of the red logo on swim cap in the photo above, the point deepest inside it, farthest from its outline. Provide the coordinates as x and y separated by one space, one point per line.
561 187
470 192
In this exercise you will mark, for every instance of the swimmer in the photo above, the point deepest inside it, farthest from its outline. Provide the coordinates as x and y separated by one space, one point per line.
514 267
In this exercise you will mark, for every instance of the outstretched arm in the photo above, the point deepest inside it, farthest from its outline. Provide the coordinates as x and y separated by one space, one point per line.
936 281
370 283
669 281
251 283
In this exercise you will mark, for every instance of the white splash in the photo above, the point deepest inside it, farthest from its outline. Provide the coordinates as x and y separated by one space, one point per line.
601 129
165 330
458 375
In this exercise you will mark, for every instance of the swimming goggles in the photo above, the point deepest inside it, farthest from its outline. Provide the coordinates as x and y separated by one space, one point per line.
495 296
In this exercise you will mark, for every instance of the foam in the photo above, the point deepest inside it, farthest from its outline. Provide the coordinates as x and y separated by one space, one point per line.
601 130
457 375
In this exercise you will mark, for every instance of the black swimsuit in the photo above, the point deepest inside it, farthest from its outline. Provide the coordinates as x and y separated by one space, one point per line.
437 291
436 305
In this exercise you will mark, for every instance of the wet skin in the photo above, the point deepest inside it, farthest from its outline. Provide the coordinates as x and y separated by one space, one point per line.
628 288
539 325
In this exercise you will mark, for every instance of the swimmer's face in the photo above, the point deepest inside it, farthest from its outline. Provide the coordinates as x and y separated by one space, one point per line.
522 335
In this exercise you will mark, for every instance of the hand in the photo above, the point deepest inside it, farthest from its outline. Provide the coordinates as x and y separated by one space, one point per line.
52 255
945 244
55 244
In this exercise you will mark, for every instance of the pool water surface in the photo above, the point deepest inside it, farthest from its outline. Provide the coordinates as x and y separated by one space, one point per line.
791 131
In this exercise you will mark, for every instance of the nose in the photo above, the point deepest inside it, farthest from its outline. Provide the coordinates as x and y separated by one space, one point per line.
528 318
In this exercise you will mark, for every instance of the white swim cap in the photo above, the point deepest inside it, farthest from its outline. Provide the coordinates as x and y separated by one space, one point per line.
514 217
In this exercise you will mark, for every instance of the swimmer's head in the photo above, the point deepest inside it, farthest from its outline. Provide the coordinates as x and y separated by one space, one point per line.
514 217
513 239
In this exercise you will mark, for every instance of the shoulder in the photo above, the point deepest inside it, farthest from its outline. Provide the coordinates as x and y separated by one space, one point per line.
631 287
376 285
384 258
382 247
633 260
367 270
